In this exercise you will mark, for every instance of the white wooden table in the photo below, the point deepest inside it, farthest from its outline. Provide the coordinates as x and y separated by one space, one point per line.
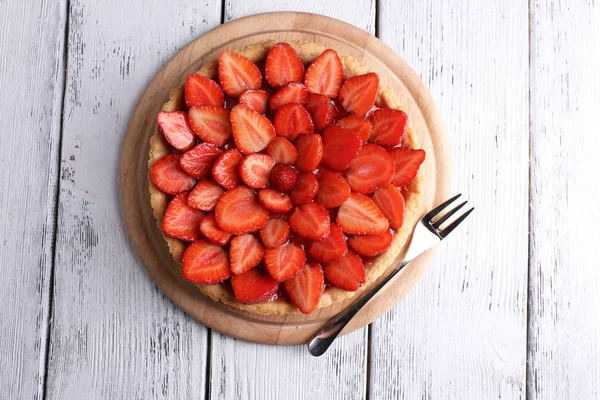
509 310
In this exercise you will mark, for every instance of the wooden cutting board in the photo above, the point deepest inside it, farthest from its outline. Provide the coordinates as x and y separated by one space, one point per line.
144 233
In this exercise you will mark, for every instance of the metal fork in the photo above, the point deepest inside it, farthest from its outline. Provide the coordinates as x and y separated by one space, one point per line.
427 234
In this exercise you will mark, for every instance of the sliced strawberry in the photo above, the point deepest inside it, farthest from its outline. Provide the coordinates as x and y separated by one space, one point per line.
175 126
329 249
292 120
325 74
389 127
310 152
292 92
252 131
255 169
169 177
237 74
347 273
372 168
283 178
275 233
333 189
370 245
359 215
258 100
306 288
254 286
339 111
225 169
358 93
306 189
358 125
391 203
406 164
211 124
202 91
283 66
340 147
284 262
205 195
283 151
198 161
205 262
275 201
180 220
210 229
310 221
321 110
238 211
245 252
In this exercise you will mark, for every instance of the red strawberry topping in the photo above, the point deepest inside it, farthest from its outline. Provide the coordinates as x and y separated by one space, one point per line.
358 93
284 262
255 170
283 178
198 161
340 147
254 286
238 211
310 152
358 125
306 189
321 110
245 252
252 131
169 177
226 169
175 126
406 164
237 74
325 74
205 195
310 221
274 201
180 220
333 189
275 233
283 151
211 124
372 169
391 203
211 231
258 100
202 91
306 288
389 127
283 66
370 245
292 120
205 262
292 93
329 249
347 273
359 215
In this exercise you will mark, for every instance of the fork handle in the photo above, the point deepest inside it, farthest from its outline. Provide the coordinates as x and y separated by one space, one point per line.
323 339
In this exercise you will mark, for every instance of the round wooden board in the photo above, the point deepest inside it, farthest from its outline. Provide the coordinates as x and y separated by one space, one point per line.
143 230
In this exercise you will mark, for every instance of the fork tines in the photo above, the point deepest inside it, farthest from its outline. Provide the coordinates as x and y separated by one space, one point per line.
440 219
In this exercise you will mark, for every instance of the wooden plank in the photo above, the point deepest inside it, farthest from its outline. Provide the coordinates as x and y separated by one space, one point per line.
114 334
564 305
31 78
461 332
244 370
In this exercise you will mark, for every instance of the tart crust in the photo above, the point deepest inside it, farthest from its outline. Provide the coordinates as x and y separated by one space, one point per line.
373 269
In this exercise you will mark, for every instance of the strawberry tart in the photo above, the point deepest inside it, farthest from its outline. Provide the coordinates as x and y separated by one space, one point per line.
284 177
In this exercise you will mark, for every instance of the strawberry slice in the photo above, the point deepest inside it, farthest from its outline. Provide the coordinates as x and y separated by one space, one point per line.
306 288
306 189
333 189
347 273
238 211
358 125
211 124
275 201
406 164
254 286
255 169
391 203
370 245
283 178
202 91
340 147
210 229
275 233
310 152
359 215
284 262
357 94
252 131
291 93
311 221
198 161
169 177
325 74
339 111
225 169
329 249
283 65
283 151
292 120
389 127
205 195
372 168
237 74
321 110
180 220
245 252
175 126
205 262
258 100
